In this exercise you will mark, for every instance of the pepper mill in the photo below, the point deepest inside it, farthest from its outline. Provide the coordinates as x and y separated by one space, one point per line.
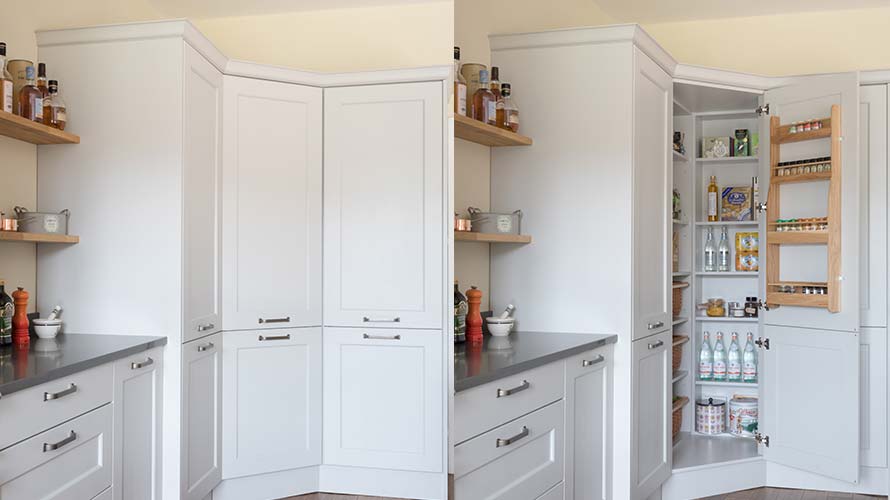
474 315
20 321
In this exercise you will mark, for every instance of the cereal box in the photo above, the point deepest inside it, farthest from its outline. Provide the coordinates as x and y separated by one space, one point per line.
736 203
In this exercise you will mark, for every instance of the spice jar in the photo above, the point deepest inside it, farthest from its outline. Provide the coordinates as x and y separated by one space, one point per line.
716 308
750 307
736 310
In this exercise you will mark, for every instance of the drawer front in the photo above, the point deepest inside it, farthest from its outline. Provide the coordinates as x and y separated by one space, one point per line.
517 461
39 408
485 407
69 462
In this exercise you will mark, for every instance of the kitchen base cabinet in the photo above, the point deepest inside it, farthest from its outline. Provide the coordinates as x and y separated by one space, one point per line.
651 409
588 397
201 416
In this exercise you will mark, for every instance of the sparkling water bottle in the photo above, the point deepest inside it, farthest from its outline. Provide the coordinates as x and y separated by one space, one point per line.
719 359
724 257
734 360
749 361
710 264
705 363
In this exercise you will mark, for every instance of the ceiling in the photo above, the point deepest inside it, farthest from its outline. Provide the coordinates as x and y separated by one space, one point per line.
202 9
656 11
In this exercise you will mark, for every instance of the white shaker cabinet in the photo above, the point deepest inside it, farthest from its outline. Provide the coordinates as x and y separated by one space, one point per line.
383 398
201 416
138 412
384 206
272 405
651 406
272 193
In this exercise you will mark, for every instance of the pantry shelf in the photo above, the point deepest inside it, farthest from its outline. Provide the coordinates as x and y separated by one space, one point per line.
680 157
38 237
679 321
797 299
26 130
729 274
724 319
679 375
492 237
680 222
487 135
729 159
720 383
788 179
682 273
695 451
796 237
728 223
783 135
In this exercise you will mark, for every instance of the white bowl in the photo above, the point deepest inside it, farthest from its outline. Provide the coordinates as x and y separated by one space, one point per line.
47 331
500 329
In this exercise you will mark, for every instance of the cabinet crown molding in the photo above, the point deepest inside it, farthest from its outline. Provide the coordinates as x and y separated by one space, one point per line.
185 30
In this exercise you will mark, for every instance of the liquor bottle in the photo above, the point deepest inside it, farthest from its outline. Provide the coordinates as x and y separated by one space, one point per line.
460 86
484 102
705 360
460 315
6 311
734 360
30 103
710 263
724 255
749 361
508 112
495 84
712 200
54 112
719 358
6 85
41 80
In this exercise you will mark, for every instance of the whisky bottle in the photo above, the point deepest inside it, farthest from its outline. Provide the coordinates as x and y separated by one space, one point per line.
484 102
54 112
508 112
6 85
495 83
460 86
30 103
41 80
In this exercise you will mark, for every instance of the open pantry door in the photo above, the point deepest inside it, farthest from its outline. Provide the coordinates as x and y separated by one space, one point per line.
809 276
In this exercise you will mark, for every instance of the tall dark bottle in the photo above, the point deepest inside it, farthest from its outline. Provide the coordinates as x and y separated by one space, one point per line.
7 308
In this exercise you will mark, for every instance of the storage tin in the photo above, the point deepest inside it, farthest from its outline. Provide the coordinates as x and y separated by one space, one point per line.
492 222
743 416
710 416
42 222
16 68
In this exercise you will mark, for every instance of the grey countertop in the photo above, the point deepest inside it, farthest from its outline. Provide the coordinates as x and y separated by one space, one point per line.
49 359
500 357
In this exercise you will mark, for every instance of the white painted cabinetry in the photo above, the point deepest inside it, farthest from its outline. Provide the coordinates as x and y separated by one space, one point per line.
272 193
588 403
384 206
201 416
272 404
651 413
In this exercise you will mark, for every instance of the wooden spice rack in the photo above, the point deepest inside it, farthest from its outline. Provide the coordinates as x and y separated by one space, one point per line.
16 127
487 135
780 134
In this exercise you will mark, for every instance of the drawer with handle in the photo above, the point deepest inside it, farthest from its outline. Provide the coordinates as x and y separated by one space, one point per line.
38 408
479 409
71 461
520 460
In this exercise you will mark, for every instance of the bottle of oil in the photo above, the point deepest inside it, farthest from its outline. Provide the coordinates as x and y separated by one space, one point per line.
712 200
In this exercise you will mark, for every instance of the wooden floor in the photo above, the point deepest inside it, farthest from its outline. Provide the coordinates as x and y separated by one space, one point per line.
333 496
786 494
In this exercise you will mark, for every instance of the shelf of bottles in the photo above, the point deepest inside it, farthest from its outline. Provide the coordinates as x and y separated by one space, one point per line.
732 366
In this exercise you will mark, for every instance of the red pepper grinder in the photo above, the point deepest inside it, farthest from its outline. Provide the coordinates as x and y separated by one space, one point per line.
20 321
474 315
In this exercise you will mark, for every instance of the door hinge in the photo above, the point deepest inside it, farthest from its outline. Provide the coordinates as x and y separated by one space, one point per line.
762 110
763 305
761 207
762 343
761 439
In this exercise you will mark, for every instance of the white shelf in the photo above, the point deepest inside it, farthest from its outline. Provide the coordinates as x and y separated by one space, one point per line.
680 222
725 384
680 375
679 157
729 274
724 319
682 273
730 159
694 451
679 321
729 223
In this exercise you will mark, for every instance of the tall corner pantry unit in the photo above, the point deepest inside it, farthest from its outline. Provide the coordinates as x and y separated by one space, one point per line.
602 105
287 231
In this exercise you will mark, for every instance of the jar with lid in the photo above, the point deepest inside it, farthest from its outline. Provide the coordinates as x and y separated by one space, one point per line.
710 416
750 307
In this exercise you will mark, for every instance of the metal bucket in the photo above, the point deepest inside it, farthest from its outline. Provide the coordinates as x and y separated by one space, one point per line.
492 222
42 222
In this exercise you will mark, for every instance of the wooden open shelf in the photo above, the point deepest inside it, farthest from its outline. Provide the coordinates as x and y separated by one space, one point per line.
22 129
796 237
782 136
787 179
797 299
492 237
487 135
38 237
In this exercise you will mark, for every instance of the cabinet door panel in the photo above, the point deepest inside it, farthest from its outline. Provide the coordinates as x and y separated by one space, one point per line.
651 408
383 197
201 416
873 397
653 104
873 209
272 383
272 205
202 114
383 396
588 433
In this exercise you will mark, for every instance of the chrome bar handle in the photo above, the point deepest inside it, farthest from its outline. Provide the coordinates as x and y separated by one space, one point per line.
381 337
49 396
263 338
656 345
657 324
142 364
502 393
55 446
205 347
512 439
393 320
274 320
590 362
204 328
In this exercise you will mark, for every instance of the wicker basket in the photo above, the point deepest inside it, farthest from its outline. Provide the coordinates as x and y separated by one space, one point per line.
678 342
678 296
677 414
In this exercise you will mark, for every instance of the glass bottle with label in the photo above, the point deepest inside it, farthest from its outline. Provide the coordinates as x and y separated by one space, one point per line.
460 86
484 102
42 84
705 361
710 264
734 360
54 112
508 112
712 200
719 359
495 84
749 361
6 85
30 103
724 255
7 309
460 315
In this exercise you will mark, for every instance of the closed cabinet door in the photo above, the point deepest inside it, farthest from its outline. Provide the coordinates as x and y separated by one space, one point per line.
588 399
201 416
383 398
272 408
652 178
651 408
272 188
873 207
201 173
384 206
138 412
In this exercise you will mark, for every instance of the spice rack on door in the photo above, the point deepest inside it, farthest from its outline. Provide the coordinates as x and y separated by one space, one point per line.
831 236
